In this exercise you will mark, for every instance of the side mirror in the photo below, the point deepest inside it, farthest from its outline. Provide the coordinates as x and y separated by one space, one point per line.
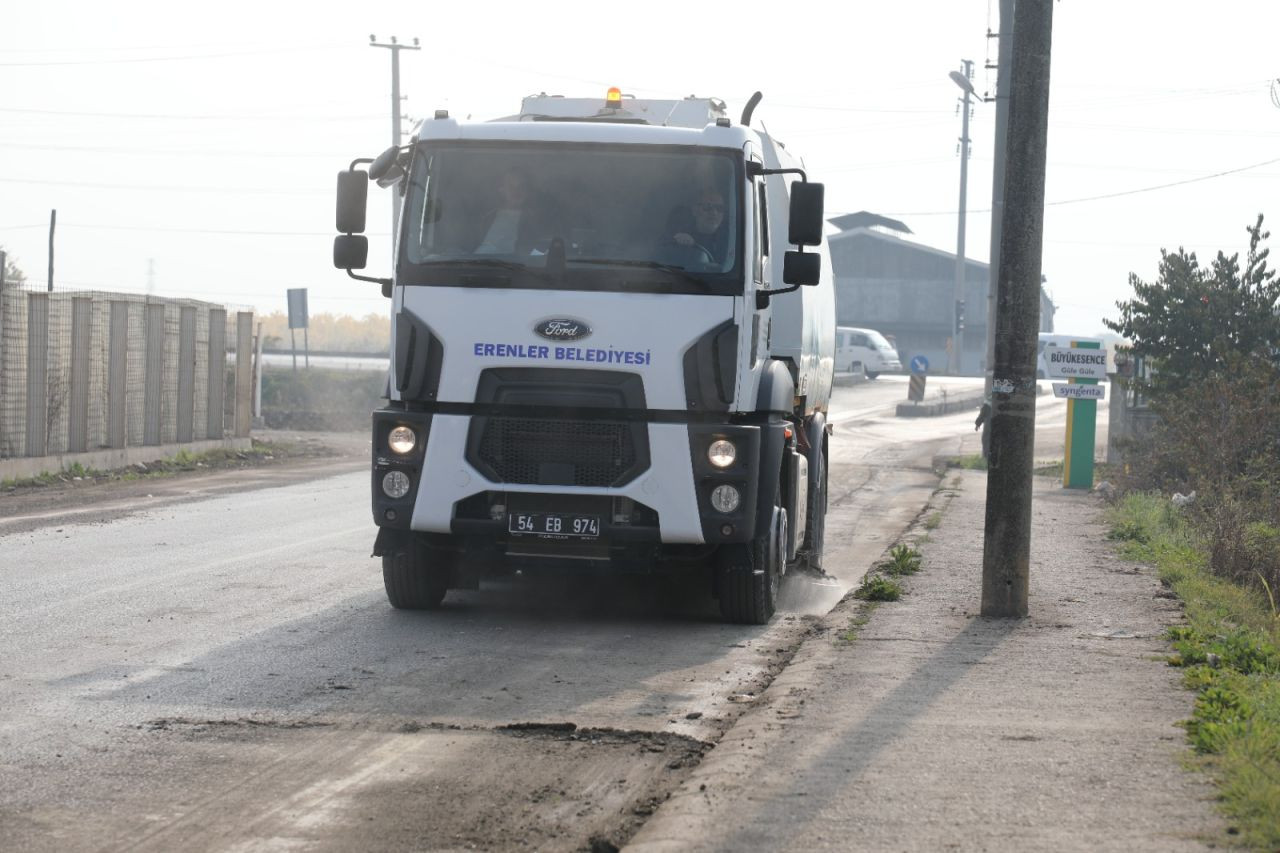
383 162
388 168
350 251
801 268
353 192
806 214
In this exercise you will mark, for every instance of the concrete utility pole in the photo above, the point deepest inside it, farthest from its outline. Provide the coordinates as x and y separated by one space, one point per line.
53 224
1006 555
963 79
1004 61
395 47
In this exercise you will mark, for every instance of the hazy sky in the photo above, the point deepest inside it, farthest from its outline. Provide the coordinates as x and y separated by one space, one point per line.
202 142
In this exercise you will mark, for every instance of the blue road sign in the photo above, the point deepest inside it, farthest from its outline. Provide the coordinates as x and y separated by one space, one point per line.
919 364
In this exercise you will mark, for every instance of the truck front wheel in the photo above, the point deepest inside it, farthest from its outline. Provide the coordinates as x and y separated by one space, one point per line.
412 581
750 574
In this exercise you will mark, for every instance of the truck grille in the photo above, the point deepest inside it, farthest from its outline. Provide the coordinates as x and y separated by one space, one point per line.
560 452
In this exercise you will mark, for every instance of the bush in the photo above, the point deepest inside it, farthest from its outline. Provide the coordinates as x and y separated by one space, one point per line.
1221 439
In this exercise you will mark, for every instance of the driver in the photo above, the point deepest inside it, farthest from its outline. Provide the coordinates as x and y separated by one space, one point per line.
702 224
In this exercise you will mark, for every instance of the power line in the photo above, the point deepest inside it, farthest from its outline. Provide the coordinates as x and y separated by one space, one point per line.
177 152
158 188
221 231
187 117
1105 195
177 58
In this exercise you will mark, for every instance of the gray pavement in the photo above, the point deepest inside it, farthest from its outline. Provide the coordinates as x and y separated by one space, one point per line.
929 727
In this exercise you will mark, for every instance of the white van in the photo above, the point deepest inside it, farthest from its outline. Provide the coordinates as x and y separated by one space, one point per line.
865 352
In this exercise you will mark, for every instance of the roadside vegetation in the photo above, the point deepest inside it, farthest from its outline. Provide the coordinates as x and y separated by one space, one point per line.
330 332
1229 649
880 583
969 462
321 399
260 453
1199 497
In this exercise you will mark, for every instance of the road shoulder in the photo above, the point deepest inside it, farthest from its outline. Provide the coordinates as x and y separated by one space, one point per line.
931 727
71 499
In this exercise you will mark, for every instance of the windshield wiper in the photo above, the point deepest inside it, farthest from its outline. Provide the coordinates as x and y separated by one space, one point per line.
651 265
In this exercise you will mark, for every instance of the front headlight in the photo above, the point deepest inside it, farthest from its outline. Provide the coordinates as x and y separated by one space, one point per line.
395 484
721 453
402 440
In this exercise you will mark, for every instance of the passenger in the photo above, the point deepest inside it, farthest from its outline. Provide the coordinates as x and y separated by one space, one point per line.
518 224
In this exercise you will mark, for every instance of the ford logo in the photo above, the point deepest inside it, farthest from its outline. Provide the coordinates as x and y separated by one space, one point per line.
563 329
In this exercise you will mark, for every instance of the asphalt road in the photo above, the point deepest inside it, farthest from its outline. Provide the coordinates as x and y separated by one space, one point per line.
221 671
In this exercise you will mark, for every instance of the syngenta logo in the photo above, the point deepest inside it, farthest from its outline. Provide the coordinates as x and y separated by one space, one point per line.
562 329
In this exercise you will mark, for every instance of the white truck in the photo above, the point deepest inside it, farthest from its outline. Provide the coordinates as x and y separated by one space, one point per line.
612 349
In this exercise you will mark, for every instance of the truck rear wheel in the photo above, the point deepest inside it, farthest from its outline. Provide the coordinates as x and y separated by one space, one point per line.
751 574
815 535
412 582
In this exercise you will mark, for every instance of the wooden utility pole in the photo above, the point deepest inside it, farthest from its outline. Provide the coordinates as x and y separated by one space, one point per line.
1006 556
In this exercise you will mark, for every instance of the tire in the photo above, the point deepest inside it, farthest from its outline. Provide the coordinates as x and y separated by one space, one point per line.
871 375
411 581
751 574
816 528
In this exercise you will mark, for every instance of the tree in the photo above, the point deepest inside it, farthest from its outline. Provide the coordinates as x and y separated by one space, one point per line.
1193 322
13 274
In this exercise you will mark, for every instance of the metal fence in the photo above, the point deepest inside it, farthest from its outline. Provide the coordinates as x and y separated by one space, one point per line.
83 371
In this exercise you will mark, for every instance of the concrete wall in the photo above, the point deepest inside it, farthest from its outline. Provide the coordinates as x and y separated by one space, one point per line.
84 372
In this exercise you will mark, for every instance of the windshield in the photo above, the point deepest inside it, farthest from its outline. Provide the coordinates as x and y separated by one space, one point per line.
586 217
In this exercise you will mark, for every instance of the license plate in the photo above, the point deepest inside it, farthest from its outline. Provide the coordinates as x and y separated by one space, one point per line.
554 525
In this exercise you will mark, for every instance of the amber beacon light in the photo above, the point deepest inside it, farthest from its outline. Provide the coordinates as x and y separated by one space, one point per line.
613 98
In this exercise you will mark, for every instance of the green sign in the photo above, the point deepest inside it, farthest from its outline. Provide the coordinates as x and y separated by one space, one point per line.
1082 427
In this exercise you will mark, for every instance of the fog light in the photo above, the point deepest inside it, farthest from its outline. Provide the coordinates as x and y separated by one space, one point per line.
390 515
402 440
725 499
721 453
395 484
726 530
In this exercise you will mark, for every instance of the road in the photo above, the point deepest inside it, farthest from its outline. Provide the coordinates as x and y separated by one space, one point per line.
221 671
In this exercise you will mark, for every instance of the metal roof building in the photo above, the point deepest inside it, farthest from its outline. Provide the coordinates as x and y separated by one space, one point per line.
905 291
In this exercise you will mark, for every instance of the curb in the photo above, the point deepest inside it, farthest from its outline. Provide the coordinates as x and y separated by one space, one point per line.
945 406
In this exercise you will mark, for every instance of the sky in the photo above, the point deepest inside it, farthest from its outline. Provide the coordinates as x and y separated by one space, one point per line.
192 151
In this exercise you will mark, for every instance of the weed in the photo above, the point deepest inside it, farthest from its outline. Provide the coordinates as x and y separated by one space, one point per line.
970 462
1052 470
849 634
932 522
878 588
903 560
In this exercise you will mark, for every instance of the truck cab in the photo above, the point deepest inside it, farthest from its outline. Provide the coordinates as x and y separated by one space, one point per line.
612 349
